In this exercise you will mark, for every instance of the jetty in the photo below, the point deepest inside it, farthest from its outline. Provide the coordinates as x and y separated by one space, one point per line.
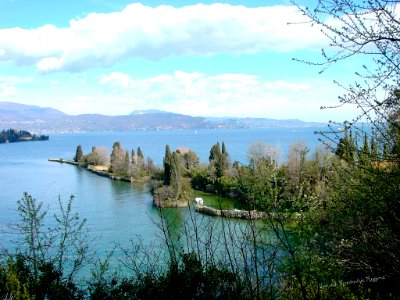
231 213
100 172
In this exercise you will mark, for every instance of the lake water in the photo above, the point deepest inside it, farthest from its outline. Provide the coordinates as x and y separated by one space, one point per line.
115 211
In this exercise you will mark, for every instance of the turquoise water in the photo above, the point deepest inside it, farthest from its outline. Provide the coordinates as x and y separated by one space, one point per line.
115 211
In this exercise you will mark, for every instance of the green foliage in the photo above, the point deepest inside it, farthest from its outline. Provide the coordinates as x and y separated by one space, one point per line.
199 178
15 135
47 260
219 162
167 165
346 147
117 159
78 154
11 286
176 190
94 158
139 158
190 160
186 279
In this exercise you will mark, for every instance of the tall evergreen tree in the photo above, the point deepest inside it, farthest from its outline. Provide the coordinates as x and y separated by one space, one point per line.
386 155
133 157
365 155
218 160
351 151
215 152
175 170
127 163
346 147
225 158
140 158
167 165
374 150
79 154
140 153
117 158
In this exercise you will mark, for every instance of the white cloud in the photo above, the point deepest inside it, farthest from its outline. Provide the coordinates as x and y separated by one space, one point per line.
239 95
101 40
8 85
7 90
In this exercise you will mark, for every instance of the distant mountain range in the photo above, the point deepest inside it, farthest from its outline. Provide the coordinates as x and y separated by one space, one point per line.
47 120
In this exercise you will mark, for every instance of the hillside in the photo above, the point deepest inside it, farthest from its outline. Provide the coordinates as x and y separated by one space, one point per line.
40 119
10 111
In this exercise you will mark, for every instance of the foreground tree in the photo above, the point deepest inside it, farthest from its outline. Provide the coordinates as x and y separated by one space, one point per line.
358 228
47 260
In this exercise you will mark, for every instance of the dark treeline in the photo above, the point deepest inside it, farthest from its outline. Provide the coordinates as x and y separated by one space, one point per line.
15 135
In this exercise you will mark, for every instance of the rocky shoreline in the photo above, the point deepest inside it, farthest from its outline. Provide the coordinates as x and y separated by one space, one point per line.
94 171
237 214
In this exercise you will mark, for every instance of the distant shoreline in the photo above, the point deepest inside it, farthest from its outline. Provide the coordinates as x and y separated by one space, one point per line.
16 136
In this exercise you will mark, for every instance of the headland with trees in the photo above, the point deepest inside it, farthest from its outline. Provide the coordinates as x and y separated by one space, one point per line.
343 241
16 135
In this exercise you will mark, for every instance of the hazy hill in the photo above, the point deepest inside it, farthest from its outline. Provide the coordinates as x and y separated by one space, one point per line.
20 112
40 119
148 111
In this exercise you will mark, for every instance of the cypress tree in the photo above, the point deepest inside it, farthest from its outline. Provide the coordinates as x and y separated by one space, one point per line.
374 150
127 163
341 148
115 153
225 158
140 158
217 160
365 154
351 148
139 153
79 154
133 157
215 152
224 151
167 165
175 173
386 152
117 158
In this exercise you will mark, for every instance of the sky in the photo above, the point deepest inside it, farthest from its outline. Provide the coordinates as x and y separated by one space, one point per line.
201 59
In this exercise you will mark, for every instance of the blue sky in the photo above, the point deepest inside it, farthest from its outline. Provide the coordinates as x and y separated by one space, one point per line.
209 59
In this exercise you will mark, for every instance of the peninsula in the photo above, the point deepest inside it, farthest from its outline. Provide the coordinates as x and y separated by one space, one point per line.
16 135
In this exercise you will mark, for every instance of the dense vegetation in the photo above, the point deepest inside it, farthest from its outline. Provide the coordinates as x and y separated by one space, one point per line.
332 228
15 135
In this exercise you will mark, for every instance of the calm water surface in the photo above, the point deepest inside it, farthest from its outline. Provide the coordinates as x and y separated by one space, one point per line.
115 211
